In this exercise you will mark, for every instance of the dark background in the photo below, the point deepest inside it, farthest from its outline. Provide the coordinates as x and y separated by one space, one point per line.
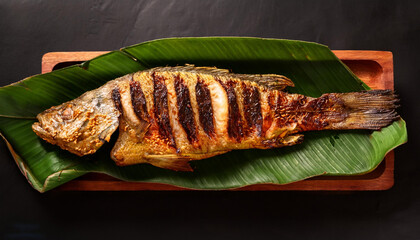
28 29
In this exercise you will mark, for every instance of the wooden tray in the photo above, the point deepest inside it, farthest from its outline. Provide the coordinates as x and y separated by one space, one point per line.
375 68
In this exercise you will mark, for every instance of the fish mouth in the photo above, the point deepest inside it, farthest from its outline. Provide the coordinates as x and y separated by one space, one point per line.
36 127
41 132
42 129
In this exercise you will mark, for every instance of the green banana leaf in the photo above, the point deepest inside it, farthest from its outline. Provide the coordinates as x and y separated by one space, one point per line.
313 68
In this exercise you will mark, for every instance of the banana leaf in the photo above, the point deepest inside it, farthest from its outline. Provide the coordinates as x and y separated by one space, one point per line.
313 68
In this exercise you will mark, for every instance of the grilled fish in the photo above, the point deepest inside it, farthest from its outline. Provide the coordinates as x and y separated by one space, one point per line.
168 116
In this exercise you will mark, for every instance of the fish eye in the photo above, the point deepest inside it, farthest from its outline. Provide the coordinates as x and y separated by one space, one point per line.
67 113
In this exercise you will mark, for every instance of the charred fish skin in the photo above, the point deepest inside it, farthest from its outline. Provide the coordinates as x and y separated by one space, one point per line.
168 116
225 113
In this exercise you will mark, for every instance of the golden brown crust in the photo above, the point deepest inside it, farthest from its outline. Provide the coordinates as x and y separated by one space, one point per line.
82 125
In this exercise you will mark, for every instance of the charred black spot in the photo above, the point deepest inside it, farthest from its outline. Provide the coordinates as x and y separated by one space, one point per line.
252 108
138 101
160 98
205 109
185 112
235 129
116 97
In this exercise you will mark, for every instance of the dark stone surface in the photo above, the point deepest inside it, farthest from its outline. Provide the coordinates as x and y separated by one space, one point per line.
28 29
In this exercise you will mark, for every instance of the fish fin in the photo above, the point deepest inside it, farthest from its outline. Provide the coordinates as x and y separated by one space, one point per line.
191 68
373 110
105 135
270 81
140 130
289 140
132 148
171 162
178 162
129 144
207 70
135 132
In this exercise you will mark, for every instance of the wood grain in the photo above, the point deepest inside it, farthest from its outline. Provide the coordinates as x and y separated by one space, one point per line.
375 68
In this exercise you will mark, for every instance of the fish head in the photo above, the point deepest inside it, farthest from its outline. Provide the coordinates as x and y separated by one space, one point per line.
80 126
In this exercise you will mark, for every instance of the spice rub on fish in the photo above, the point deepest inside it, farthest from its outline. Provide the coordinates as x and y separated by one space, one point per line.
168 116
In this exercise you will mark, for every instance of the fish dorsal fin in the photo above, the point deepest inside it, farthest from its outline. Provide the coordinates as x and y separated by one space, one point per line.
270 81
193 69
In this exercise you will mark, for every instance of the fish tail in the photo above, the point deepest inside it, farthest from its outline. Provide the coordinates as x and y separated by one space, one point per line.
372 109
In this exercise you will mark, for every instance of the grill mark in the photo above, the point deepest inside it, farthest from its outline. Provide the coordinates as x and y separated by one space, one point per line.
138 101
235 129
205 109
160 98
185 112
268 118
252 108
116 97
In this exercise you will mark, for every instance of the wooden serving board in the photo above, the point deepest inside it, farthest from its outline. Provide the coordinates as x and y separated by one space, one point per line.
375 68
